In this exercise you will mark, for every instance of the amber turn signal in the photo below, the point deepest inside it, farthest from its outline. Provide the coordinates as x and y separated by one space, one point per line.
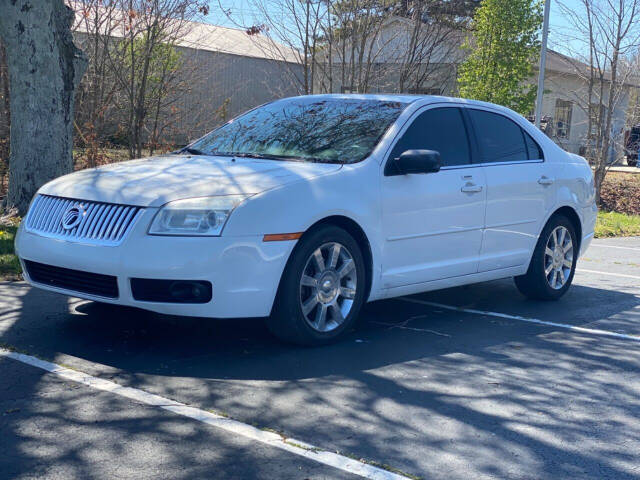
280 237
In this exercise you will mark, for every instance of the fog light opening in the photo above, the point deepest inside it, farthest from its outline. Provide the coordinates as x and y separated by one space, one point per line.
186 291
171 291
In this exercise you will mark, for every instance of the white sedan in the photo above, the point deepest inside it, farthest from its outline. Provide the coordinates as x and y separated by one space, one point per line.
303 209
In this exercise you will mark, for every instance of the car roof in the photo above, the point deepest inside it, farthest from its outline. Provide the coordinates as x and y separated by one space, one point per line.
403 98
384 97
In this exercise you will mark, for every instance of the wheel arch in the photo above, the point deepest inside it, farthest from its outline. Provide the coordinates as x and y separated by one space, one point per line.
356 231
573 217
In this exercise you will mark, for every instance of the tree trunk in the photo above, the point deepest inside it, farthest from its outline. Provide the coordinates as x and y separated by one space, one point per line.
4 92
45 68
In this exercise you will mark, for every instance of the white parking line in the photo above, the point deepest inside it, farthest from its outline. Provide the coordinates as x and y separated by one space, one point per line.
613 246
622 275
233 426
592 331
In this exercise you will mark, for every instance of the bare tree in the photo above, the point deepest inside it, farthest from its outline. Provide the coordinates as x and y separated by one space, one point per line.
604 36
96 27
289 31
145 60
139 76
41 86
361 53
5 122
311 39
430 48
361 45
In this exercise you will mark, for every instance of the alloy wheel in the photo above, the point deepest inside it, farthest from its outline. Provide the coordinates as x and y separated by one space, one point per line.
558 258
328 287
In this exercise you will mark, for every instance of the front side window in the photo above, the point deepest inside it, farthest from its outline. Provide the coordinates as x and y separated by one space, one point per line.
563 112
307 129
499 139
439 129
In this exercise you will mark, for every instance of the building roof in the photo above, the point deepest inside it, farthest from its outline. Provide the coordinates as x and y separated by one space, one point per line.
214 38
194 35
560 63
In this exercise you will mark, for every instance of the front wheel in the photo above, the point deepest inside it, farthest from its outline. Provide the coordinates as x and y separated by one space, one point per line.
553 263
322 288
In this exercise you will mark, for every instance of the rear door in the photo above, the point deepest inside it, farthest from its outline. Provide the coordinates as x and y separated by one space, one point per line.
520 189
433 222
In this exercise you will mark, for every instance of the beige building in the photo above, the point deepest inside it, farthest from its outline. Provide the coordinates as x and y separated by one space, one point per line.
565 110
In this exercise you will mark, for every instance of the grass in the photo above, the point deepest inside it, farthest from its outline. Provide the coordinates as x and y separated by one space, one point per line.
614 224
9 265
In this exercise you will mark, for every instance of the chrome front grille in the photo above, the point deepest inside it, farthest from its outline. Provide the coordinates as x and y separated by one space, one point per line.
98 223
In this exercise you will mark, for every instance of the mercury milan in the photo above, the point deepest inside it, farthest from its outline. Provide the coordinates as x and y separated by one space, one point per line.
303 209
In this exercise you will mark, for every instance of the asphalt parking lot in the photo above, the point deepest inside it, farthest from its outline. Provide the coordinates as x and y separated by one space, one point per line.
467 383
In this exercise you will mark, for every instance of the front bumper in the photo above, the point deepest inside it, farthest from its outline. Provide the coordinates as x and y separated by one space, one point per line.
244 271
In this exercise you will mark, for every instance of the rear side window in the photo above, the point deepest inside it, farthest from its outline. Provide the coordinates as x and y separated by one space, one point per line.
439 129
534 150
499 139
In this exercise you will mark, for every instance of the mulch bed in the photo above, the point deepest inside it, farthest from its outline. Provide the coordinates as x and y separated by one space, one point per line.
621 193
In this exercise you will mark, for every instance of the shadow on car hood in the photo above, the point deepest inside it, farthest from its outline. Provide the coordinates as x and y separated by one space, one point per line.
157 180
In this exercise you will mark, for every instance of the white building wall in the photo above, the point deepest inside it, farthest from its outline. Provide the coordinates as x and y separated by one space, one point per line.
563 86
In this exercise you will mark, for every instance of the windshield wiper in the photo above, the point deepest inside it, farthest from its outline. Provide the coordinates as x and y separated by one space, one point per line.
291 158
325 160
264 156
192 151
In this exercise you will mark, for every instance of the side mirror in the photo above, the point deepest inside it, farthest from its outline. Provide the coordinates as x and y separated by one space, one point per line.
415 161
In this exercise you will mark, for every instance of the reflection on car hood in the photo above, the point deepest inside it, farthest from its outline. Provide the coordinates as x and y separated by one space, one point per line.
158 180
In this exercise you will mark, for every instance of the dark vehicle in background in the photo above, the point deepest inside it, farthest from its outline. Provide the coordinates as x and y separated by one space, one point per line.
632 145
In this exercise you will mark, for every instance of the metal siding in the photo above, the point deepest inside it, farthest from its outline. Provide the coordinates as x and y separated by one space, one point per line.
245 81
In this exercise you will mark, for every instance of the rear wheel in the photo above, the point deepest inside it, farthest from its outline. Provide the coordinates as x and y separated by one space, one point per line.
553 263
322 289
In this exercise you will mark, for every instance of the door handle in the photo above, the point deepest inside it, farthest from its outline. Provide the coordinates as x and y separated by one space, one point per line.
544 180
471 188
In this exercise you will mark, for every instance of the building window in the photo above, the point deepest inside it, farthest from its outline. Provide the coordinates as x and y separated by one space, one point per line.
563 118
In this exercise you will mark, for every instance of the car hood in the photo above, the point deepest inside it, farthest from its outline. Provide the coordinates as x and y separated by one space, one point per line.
155 181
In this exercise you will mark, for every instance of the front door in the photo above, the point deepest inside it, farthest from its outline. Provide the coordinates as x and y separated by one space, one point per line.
432 223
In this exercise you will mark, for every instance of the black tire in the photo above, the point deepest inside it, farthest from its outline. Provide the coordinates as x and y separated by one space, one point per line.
632 162
535 284
287 321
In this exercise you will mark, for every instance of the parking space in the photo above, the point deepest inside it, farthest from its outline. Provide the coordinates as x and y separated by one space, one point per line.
59 429
459 383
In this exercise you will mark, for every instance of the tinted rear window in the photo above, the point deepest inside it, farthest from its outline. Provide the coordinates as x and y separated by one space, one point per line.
499 139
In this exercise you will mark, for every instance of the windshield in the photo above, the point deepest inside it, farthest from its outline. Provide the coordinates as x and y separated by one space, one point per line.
324 130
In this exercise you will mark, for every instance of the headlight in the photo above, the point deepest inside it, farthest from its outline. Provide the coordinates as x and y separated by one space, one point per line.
204 216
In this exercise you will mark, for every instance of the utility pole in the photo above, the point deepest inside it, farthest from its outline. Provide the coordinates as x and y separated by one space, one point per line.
543 61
